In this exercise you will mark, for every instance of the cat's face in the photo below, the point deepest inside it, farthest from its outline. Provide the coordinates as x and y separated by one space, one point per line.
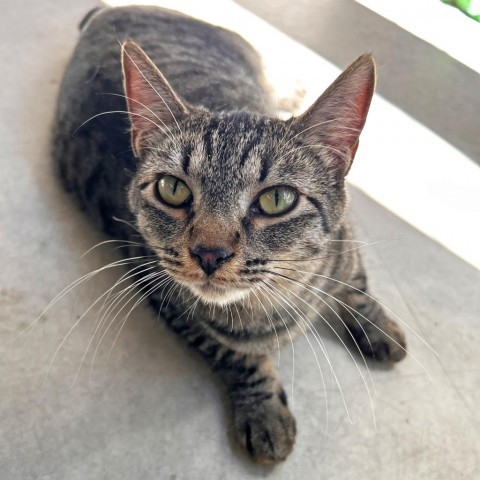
218 196
237 185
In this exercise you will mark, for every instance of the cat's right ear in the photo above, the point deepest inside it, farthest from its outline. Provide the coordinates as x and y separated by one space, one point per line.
152 104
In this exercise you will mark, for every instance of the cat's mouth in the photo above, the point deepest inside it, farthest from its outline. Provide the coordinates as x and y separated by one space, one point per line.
216 294
212 290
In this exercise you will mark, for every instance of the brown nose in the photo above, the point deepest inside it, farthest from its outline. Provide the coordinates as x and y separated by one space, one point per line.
210 258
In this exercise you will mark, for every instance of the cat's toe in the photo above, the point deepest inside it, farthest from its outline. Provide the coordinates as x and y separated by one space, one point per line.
383 342
266 430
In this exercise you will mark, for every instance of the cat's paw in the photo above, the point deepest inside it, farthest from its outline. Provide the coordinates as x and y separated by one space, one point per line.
385 343
266 429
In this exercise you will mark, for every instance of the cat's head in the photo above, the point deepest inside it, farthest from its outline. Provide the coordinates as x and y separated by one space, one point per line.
220 195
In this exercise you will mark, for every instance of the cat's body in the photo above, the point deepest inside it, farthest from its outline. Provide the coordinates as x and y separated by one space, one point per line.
273 272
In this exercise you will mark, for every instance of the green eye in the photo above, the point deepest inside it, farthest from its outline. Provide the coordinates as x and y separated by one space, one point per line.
173 191
277 200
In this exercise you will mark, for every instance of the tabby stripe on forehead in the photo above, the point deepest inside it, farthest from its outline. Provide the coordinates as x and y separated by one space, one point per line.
187 152
207 138
264 168
318 205
252 142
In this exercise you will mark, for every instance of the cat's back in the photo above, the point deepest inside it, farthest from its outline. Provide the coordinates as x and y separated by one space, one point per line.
205 64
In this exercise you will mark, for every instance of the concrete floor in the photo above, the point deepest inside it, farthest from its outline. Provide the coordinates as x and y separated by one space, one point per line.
152 410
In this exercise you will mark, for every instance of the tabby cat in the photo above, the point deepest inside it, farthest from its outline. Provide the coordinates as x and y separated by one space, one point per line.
243 214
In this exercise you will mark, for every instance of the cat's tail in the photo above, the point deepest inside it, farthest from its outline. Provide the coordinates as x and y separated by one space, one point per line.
88 17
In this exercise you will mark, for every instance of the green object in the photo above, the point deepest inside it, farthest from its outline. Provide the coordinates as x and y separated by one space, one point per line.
469 7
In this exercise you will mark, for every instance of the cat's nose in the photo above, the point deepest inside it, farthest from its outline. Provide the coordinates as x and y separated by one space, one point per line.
210 258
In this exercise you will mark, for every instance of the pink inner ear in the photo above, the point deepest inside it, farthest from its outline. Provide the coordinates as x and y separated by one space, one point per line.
139 96
363 101
137 100
338 116
151 102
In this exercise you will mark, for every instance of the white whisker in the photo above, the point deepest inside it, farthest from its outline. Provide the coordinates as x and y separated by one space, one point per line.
118 263
340 339
123 278
372 298
169 134
322 347
329 254
270 319
271 322
289 336
127 242
110 112
140 300
123 293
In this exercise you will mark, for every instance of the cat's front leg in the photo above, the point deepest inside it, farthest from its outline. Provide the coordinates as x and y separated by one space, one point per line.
262 422
375 333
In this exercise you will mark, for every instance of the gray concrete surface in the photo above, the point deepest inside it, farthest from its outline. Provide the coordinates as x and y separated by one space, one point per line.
152 410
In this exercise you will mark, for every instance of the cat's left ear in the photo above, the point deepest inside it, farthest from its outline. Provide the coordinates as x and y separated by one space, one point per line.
152 103
337 118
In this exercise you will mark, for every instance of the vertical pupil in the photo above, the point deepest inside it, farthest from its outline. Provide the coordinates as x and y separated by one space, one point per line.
276 197
174 188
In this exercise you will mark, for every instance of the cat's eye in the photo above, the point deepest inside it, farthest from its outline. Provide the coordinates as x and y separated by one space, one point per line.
173 191
277 200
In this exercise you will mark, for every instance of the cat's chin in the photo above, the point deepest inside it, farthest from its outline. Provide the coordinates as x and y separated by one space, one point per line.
218 295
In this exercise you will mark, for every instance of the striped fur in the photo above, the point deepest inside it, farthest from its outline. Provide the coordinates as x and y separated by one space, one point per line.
227 146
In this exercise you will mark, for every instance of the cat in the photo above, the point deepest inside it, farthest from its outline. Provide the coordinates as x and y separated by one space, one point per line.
236 221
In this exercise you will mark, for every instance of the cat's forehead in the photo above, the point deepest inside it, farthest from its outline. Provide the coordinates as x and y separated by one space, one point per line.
227 153
234 146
